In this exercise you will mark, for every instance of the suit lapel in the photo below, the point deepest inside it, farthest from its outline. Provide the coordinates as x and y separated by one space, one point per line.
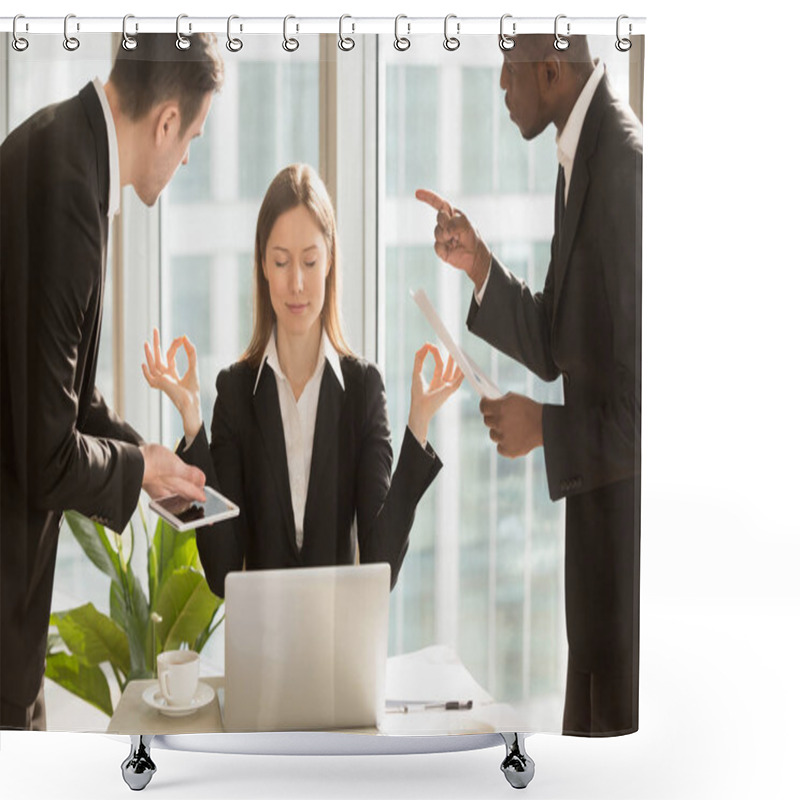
97 123
324 456
579 183
267 410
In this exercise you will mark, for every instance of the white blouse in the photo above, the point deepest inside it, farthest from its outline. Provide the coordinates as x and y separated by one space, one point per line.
299 420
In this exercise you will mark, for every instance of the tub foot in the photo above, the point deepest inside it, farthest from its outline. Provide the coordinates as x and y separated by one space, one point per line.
138 768
517 766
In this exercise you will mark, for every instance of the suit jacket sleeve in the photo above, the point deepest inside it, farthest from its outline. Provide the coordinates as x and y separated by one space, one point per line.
516 321
104 422
68 467
222 546
385 504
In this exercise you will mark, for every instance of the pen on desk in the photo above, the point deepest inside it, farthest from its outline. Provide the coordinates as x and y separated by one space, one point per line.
450 705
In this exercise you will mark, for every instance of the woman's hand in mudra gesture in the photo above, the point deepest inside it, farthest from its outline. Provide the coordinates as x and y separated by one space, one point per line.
428 398
184 390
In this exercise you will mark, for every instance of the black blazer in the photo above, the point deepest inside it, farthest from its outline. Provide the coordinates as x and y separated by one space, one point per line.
585 326
60 445
350 481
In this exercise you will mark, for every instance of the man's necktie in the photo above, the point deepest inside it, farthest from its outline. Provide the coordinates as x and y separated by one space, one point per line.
560 187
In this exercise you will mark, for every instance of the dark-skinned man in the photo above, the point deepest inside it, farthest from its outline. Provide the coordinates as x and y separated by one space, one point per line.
583 326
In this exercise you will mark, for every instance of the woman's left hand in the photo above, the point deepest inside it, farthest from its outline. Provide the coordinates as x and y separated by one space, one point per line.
428 398
183 390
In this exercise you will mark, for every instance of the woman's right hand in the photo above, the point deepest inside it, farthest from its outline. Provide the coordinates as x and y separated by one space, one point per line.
184 391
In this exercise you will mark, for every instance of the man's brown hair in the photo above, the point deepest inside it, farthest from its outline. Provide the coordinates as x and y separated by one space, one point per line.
156 71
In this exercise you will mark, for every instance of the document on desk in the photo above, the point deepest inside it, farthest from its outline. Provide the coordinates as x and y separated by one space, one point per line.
479 381
432 675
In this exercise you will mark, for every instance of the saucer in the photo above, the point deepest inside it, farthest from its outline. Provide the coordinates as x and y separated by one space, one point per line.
202 697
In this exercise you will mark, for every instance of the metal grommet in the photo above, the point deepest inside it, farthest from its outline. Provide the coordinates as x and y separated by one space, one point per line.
560 42
70 42
401 43
128 42
181 42
623 44
506 42
451 42
19 43
346 43
290 44
233 44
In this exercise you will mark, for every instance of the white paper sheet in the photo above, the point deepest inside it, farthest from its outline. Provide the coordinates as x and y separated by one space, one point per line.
433 674
479 381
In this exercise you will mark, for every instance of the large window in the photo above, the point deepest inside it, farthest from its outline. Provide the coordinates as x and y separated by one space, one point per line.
485 565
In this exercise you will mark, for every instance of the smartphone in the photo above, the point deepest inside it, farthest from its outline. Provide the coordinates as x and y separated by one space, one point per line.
185 514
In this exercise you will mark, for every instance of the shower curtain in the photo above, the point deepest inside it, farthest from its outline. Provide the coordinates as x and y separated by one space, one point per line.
520 582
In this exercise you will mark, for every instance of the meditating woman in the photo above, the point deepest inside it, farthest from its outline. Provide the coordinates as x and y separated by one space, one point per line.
300 438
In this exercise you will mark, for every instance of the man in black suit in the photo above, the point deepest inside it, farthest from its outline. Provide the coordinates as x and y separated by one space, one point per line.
585 327
61 447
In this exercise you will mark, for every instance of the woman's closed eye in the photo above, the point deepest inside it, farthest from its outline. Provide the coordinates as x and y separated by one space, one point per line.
308 264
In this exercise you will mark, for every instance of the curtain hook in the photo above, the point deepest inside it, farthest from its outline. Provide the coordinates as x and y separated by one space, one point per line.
182 43
289 44
233 44
623 44
70 42
451 43
346 43
401 43
19 43
560 42
128 42
505 41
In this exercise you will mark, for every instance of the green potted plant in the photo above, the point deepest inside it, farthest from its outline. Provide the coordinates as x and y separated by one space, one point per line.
179 609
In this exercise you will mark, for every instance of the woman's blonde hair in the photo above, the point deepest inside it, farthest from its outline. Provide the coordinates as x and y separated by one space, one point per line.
295 185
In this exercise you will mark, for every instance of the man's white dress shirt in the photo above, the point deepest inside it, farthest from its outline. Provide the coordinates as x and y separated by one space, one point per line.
113 150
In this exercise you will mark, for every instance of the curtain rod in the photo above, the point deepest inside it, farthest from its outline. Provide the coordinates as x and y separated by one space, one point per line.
349 25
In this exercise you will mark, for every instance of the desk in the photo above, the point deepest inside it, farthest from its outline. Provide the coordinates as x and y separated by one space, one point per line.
432 674
133 716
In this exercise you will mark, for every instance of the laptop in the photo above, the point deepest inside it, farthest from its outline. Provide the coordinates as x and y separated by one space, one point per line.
305 649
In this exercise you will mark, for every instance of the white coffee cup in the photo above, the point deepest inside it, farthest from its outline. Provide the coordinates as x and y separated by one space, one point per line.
178 671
